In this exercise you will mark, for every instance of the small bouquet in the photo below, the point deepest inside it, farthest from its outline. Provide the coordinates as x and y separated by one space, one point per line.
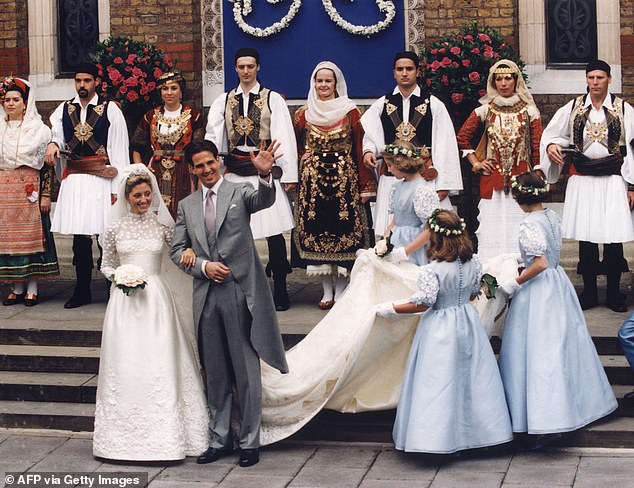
129 277
489 285
384 246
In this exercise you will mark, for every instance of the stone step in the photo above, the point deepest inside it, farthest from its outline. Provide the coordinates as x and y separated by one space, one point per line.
48 387
613 432
52 359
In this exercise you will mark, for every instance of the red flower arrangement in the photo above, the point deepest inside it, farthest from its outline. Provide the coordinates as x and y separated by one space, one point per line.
129 71
457 65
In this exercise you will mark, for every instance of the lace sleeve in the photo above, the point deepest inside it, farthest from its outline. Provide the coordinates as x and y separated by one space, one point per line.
477 287
110 258
532 239
426 287
425 202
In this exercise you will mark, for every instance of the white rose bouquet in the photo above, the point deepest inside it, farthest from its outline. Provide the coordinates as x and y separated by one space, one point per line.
129 277
384 246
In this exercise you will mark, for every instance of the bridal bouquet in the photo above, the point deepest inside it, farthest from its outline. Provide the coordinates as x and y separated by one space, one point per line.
129 277
384 246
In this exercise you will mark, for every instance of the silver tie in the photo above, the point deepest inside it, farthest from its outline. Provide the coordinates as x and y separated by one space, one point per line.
210 213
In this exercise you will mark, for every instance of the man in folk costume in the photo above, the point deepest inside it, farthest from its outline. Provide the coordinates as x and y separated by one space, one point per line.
238 122
167 130
93 136
500 139
410 113
595 130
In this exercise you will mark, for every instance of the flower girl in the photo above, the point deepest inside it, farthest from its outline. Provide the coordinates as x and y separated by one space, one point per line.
452 396
552 375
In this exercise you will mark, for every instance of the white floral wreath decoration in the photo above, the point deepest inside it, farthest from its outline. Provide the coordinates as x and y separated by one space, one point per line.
242 8
446 231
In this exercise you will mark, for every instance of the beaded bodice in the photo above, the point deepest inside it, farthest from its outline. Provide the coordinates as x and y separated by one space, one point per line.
135 239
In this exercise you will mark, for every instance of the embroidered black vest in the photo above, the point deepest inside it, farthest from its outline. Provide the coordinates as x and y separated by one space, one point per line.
417 130
250 128
614 140
91 137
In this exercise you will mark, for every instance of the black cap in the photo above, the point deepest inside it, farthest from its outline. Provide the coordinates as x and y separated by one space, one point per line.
89 68
247 51
598 64
407 55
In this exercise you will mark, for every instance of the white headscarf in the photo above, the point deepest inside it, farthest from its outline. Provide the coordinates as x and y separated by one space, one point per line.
26 145
327 112
521 90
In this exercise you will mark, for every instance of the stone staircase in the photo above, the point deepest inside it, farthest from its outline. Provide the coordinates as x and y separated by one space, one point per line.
49 359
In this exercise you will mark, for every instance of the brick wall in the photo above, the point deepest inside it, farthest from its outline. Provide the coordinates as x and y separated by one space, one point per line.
14 41
442 17
173 25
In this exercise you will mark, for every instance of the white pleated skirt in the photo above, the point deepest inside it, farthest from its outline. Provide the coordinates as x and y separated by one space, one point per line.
83 205
596 210
381 216
276 219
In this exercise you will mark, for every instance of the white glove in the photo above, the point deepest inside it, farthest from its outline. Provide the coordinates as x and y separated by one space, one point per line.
385 310
397 255
510 287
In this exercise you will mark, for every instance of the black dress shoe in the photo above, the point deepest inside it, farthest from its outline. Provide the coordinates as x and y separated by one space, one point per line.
249 457
616 302
212 454
588 300
77 301
30 300
13 298
544 440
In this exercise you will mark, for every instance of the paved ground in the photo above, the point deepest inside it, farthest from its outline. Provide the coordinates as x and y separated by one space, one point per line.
298 464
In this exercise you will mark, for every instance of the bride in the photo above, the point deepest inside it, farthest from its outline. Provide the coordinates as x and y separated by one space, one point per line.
150 399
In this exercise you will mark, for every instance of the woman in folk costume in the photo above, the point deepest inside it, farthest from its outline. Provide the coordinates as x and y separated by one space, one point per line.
167 130
27 250
331 222
501 139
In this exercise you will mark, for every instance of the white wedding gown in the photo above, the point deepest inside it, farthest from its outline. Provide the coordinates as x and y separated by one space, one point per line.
353 361
150 398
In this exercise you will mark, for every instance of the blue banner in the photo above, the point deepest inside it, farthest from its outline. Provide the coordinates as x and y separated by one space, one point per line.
288 57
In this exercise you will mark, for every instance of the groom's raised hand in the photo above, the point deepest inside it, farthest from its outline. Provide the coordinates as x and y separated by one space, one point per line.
265 158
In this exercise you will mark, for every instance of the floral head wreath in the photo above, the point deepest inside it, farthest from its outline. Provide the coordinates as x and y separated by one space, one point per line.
527 189
394 150
447 231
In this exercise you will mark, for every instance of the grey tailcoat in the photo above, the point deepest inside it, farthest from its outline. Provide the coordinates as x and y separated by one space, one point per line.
235 203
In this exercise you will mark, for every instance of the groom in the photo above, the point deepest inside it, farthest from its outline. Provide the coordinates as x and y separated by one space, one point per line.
233 308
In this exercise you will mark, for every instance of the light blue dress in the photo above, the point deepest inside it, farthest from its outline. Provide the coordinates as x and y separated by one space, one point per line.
552 375
452 396
411 202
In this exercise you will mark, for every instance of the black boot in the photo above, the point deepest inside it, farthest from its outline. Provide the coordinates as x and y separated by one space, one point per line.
279 267
588 298
280 293
588 269
615 300
614 264
82 259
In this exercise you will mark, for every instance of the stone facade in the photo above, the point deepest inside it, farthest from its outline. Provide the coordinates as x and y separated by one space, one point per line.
14 42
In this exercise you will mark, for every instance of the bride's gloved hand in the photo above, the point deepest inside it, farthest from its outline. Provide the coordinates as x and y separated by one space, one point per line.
385 310
510 287
397 255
